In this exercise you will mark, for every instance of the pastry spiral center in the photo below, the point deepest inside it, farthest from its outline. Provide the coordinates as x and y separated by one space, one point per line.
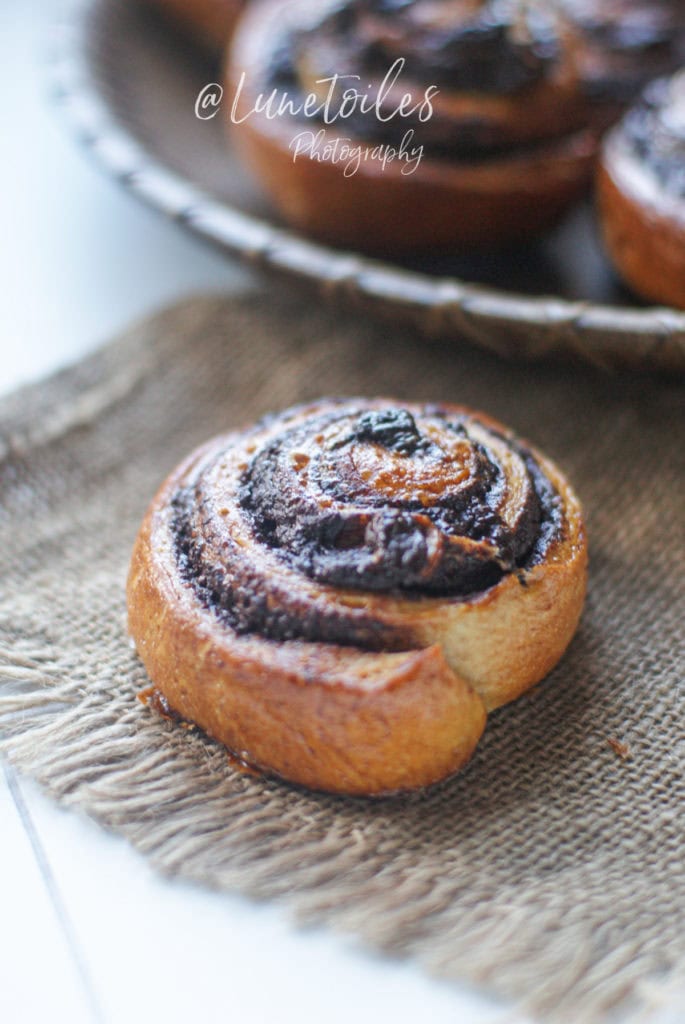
388 500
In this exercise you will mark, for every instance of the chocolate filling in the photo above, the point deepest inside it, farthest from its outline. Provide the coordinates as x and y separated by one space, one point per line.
629 42
654 131
496 47
484 49
372 500
492 48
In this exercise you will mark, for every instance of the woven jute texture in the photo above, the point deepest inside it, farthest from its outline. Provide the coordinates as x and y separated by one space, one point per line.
552 869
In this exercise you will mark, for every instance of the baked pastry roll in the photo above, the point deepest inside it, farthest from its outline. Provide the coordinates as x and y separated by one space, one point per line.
341 593
641 190
508 144
210 22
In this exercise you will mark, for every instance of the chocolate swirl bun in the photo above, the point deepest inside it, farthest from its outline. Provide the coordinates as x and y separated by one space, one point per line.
641 189
493 102
341 593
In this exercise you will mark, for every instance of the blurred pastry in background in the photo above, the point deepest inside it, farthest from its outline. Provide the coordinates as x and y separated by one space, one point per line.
641 193
621 45
497 138
210 22
343 591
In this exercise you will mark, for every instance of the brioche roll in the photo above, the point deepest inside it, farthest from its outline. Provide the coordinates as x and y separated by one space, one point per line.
641 193
493 101
341 593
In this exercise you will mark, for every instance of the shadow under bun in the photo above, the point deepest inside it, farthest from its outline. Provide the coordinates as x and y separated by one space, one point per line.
341 593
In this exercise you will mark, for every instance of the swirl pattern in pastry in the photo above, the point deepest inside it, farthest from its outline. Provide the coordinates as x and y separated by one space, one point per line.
342 592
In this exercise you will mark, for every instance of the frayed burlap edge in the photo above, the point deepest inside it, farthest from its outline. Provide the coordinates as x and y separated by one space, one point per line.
191 819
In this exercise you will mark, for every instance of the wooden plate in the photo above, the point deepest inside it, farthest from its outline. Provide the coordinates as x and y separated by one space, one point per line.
128 84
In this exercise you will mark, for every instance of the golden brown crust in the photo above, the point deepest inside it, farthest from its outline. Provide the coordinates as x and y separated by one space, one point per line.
643 232
474 201
211 22
341 718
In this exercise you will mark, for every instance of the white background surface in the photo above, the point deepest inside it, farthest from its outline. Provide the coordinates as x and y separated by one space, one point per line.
87 931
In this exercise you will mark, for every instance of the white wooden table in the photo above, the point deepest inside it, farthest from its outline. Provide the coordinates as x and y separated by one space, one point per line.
87 931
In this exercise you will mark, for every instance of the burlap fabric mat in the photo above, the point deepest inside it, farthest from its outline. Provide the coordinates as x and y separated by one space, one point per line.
552 869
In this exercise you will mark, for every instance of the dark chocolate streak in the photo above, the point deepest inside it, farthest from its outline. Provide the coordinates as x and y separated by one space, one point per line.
637 40
499 46
492 48
656 136
495 48
366 499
